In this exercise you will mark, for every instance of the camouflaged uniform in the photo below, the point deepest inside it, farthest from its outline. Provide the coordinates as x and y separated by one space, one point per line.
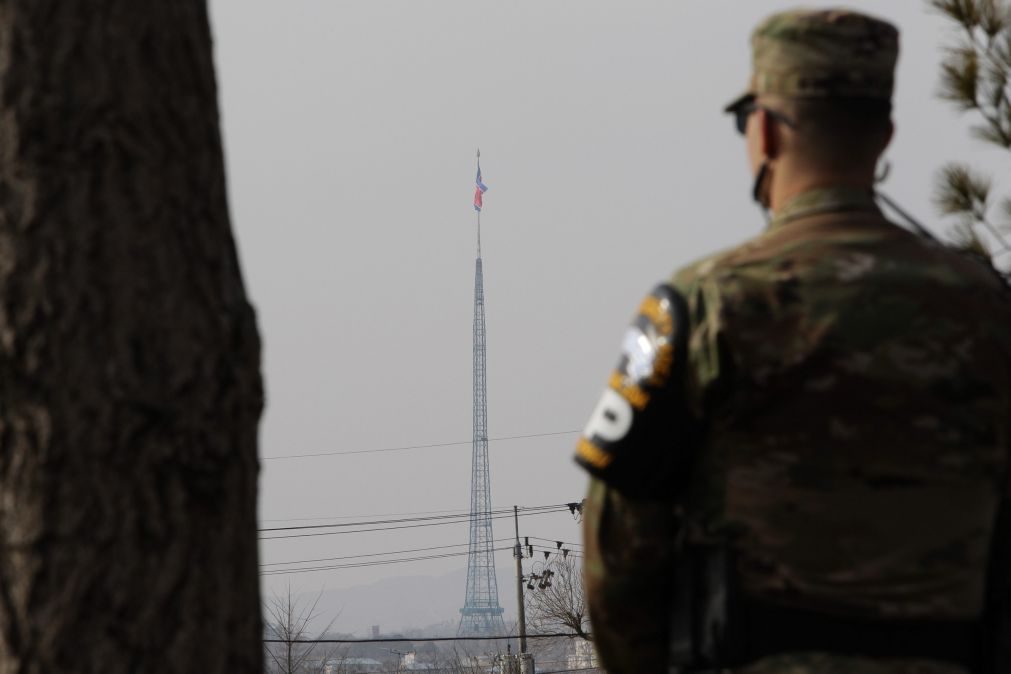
831 399
853 384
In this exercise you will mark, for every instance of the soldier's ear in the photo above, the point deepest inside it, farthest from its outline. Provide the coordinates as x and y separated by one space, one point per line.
770 139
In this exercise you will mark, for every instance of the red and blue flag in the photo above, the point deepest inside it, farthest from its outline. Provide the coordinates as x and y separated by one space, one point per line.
479 191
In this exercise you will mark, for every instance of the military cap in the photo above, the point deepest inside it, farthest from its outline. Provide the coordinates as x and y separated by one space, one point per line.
833 53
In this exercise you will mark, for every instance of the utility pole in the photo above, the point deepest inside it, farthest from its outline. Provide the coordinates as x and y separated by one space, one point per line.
518 554
400 658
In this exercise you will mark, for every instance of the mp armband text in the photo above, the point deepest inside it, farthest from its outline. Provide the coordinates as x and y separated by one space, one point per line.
635 433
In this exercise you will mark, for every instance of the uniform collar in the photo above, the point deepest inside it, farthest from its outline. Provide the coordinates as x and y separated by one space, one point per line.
824 200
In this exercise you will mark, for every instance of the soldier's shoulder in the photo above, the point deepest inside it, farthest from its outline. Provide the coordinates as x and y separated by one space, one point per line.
971 268
957 270
717 267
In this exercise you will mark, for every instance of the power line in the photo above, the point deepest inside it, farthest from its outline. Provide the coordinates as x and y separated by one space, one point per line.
554 551
409 526
457 511
458 515
348 517
392 640
539 663
375 562
410 447
553 540
403 526
377 554
378 562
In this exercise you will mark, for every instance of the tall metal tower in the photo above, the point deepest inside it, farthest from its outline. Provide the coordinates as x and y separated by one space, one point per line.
481 614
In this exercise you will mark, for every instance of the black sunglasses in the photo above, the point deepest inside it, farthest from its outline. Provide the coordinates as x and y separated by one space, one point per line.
744 111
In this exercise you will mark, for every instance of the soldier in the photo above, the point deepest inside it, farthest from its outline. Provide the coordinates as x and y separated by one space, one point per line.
800 463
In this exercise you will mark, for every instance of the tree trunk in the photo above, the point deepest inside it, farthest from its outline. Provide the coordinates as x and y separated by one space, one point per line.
129 358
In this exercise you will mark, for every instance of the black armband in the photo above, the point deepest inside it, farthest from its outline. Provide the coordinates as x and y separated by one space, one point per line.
641 429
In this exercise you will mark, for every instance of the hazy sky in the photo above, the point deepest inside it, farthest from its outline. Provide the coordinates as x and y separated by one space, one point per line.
351 129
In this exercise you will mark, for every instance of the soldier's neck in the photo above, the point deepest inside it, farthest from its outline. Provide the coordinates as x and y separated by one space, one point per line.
788 183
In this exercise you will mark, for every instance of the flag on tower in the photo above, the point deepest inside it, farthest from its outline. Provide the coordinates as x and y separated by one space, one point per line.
480 190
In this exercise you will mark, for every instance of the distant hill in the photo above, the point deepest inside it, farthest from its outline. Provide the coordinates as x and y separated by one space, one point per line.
406 603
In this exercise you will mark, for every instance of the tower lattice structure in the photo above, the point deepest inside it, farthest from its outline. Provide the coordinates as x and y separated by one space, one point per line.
481 614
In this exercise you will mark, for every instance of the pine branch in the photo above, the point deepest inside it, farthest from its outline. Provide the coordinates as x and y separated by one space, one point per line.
962 12
961 191
993 18
960 78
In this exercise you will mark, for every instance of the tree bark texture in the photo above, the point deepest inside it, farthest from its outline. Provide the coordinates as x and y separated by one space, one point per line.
129 358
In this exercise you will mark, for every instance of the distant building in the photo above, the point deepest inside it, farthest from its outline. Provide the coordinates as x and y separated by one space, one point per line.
521 663
583 656
409 663
352 666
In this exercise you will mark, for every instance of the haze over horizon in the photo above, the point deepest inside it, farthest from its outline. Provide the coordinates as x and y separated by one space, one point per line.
350 133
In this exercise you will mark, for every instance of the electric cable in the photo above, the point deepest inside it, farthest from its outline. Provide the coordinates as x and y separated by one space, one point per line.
387 640
412 526
377 554
551 551
458 515
410 447
552 540
350 517
375 562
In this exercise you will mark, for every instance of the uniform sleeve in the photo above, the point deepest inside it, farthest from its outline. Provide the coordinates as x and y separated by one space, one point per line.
637 447
999 580
641 435
629 550
1001 594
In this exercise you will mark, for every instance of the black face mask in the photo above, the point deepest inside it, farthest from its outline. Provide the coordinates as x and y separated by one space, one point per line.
760 188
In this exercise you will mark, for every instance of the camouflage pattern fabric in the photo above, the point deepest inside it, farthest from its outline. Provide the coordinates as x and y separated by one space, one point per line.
854 383
826 53
629 551
821 663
